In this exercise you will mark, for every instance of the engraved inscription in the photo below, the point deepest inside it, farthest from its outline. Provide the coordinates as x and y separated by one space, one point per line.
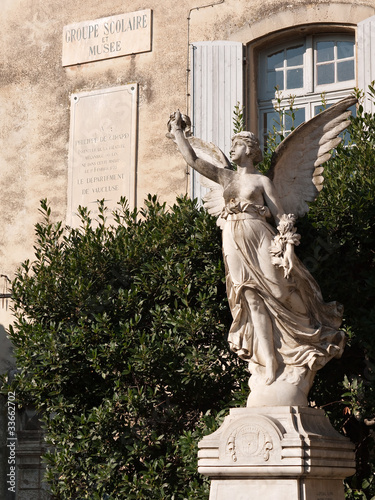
102 149
107 37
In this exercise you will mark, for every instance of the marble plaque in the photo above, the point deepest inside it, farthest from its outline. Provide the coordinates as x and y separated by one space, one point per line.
102 149
107 37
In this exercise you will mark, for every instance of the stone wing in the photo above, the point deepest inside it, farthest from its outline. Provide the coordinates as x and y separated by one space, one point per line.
213 200
296 166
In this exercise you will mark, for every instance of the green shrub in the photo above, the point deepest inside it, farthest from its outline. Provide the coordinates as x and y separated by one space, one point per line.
339 242
120 335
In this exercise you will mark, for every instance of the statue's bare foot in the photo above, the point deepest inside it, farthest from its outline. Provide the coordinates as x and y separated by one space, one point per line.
271 368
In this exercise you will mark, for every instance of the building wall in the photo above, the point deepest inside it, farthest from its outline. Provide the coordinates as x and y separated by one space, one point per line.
35 94
35 90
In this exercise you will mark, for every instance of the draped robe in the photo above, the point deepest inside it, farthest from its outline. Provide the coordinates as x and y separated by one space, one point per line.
305 341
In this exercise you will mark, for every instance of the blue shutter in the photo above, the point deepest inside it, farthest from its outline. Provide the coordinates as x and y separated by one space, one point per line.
216 88
366 58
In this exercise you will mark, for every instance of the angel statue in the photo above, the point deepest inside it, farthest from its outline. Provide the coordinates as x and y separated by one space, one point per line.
281 325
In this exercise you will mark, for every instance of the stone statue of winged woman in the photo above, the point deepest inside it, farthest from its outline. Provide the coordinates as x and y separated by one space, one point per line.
281 325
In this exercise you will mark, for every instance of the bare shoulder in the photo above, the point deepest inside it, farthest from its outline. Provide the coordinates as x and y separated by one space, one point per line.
260 180
265 182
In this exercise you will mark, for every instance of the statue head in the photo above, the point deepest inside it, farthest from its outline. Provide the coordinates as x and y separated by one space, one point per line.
252 143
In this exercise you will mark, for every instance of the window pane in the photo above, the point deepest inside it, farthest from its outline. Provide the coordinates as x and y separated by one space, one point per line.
275 79
271 124
299 117
272 120
318 109
294 56
326 74
271 81
325 51
275 60
294 78
345 49
345 71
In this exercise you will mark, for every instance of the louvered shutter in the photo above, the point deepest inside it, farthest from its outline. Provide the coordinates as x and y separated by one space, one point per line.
216 88
366 58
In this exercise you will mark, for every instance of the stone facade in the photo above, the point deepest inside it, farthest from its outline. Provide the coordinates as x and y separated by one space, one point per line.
35 106
35 92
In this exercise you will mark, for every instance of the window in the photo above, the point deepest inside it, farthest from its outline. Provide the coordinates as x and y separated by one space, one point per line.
298 75
304 62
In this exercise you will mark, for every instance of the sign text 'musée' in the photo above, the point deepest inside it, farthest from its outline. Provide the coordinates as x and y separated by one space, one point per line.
107 37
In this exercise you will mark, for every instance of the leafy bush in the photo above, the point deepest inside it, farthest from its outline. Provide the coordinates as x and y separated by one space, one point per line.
339 243
120 334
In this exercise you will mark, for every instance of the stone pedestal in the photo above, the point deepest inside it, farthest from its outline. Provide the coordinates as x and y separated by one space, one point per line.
276 453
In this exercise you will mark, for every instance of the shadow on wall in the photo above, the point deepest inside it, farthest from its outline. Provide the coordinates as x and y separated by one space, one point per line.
7 364
7 361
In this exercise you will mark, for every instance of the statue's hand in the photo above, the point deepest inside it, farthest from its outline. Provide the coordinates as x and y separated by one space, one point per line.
289 259
175 122
179 121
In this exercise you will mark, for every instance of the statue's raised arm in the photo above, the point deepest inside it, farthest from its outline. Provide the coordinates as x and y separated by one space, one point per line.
206 166
281 325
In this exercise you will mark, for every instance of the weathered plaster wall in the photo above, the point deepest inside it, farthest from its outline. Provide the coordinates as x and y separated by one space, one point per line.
35 105
35 90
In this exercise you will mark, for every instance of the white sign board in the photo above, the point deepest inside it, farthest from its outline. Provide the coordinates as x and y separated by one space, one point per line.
107 37
102 149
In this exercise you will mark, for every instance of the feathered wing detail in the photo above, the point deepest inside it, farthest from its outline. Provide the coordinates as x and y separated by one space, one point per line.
296 169
213 200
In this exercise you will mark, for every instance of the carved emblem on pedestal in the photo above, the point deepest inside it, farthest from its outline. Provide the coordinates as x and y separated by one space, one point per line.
249 441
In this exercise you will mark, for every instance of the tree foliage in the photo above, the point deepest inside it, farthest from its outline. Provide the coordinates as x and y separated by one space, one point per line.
120 335
339 245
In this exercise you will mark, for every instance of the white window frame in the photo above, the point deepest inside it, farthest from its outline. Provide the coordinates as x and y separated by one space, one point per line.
337 85
310 94
365 67
263 94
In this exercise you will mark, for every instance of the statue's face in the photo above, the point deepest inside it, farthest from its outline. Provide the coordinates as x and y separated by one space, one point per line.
238 151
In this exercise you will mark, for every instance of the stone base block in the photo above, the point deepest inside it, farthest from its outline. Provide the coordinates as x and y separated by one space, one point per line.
276 489
276 453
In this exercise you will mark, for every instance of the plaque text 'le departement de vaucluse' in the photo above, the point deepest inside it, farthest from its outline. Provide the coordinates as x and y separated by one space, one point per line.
102 149
107 37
